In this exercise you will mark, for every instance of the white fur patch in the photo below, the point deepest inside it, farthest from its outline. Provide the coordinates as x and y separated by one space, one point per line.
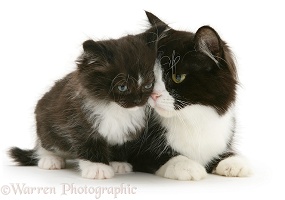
121 167
51 162
234 166
133 108
164 105
140 81
114 122
93 170
199 132
195 131
182 168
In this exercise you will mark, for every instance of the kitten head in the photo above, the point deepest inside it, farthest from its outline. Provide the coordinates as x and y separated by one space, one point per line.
120 70
194 69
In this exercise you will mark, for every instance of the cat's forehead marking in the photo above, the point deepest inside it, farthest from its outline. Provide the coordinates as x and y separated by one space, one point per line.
159 85
140 80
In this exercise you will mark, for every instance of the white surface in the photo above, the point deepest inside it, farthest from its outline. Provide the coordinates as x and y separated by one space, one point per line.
39 42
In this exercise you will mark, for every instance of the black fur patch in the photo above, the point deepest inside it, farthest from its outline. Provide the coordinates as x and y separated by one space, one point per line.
23 157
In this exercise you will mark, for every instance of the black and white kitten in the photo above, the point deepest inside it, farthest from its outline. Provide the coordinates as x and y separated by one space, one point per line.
98 106
192 129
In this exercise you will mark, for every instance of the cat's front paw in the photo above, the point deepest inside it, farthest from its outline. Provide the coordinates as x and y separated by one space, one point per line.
234 166
182 168
121 167
51 162
93 170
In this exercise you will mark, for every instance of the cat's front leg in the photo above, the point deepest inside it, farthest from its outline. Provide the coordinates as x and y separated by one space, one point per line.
119 159
182 168
94 159
234 166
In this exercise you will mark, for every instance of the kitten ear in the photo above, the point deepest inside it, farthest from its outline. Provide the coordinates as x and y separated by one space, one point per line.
208 41
92 47
154 20
89 45
94 52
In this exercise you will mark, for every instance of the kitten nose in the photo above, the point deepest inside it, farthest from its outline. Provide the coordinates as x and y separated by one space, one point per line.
155 96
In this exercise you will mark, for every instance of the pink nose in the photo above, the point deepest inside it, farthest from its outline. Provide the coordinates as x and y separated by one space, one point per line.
155 96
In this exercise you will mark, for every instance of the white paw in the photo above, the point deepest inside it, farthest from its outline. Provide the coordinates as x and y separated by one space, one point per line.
93 170
51 162
121 167
182 168
234 166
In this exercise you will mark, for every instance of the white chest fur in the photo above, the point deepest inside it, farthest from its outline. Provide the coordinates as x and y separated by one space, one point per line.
198 132
115 123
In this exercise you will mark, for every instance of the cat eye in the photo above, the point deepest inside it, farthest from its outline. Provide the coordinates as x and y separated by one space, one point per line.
148 86
122 88
178 78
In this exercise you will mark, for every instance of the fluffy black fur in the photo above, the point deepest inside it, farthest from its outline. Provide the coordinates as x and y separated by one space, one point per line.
211 84
62 119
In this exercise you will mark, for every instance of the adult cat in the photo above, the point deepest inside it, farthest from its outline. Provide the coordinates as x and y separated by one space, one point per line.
192 129
99 105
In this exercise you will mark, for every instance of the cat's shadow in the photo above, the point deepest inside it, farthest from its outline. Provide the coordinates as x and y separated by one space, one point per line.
71 165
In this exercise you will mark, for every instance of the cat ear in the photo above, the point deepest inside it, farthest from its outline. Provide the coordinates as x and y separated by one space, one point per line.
154 20
154 34
208 41
156 31
89 45
92 47
94 52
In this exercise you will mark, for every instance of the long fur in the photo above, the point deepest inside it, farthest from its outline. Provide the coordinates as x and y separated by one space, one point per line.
192 129
86 113
23 157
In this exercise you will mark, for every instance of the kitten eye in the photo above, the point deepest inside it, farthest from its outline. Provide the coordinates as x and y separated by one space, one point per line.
178 78
122 88
148 86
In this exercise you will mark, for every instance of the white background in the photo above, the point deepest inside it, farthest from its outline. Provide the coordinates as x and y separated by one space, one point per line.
40 40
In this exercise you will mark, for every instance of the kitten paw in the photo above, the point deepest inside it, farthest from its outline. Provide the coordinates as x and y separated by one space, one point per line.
182 168
234 166
93 170
121 167
51 162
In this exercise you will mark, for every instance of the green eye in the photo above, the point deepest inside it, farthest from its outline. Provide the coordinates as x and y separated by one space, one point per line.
148 86
122 88
178 78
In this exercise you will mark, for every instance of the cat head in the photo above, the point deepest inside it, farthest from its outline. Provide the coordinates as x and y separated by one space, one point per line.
194 68
120 70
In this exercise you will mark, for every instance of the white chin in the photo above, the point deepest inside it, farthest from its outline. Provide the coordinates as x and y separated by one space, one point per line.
164 113
133 108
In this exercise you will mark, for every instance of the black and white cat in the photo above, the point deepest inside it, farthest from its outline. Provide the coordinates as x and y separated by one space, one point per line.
98 107
192 129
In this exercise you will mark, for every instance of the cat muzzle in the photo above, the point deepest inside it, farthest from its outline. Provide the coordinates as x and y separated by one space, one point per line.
155 96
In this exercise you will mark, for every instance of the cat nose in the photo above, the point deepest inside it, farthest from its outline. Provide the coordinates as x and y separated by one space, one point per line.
155 96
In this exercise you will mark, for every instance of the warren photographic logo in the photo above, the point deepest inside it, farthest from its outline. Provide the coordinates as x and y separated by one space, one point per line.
65 189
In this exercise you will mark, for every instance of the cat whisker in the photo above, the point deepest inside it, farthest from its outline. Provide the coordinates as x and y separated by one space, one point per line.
114 85
183 103
120 75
